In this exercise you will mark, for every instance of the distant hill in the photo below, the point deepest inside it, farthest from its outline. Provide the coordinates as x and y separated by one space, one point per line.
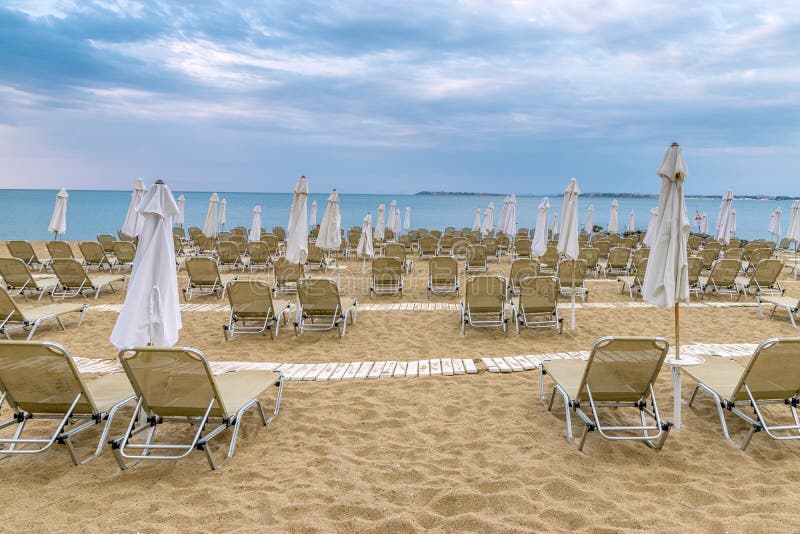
601 195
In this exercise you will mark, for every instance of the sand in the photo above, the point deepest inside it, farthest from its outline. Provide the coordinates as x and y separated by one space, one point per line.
464 453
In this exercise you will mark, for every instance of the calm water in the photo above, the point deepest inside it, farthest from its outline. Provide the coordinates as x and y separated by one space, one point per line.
25 213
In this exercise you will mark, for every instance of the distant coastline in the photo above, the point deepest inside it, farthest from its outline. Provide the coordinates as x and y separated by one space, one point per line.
603 195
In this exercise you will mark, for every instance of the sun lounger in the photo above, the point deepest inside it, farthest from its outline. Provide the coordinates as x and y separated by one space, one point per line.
107 241
94 255
571 275
398 250
771 377
536 305
618 261
387 276
23 250
522 248
14 317
73 280
228 255
790 304
204 276
258 256
60 250
125 252
763 281
321 307
253 311
442 275
476 259
722 279
634 281
484 303
42 382
619 373
287 275
19 280
177 385
521 268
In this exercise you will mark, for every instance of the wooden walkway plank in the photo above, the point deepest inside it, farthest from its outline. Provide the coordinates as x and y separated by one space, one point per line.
447 367
458 366
400 370
376 370
326 372
388 369
339 372
424 368
490 365
362 373
412 369
352 370
469 366
436 367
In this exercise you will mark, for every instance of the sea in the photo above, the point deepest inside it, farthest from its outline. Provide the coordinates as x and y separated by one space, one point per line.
25 213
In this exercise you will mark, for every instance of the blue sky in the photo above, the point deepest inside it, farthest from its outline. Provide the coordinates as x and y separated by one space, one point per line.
370 96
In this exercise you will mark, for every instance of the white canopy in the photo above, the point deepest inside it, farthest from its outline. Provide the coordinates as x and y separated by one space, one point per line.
330 229
133 222
312 218
794 222
554 226
297 232
613 218
501 219
364 248
181 210
666 280
223 213
704 223
589 226
380 228
476 225
539 244
58 221
723 229
732 221
488 220
510 222
210 226
775 223
650 235
568 236
255 225
394 219
151 311
698 220
631 221
407 219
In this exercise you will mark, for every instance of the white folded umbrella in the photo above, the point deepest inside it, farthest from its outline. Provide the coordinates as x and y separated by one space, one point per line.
589 226
539 244
501 219
732 221
210 226
312 218
151 311
394 219
698 220
407 219
650 235
223 213
568 236
794 222
330 229
666 281
476 225
488 219
775 224
133 222
704 223
631 221
58 221
510 222
723 230
554 226
365 248
255 225
297 231
181 210
613 219
380 228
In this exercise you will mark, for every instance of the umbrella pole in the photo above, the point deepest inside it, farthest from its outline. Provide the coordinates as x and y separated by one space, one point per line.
55 236
677 331
572 318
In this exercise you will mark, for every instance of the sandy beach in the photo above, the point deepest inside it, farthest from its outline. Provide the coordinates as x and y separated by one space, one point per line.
449 453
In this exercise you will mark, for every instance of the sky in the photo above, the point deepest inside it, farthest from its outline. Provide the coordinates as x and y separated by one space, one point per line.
500 96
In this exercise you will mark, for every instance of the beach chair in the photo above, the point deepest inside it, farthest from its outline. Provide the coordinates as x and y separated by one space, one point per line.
73 280
258 256
19 280
13 317
771 377
398 250
722 279
107 242
571 275
204 277
459 248
619 373
490 243
521 268
316 258
321 307
428 246
442 276
522 248
603 247
177 385
763 281
484 303
287 275
124 252
549 260
240 241
228 255
502 244
387 276
94 255
790 304
23 250
756 257
476 259
60 250
280 233
695 265
733 254
591 256
536 305
633 282
618 258
708 257
42 382
253 311
694 242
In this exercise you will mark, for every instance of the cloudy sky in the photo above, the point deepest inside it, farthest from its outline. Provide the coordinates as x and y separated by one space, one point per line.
371 96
